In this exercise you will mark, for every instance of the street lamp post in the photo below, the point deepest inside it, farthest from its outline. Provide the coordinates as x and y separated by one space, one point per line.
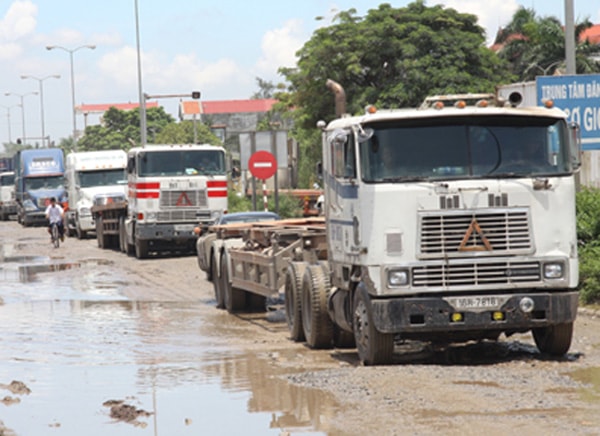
8 108
22 97
41 81
71 51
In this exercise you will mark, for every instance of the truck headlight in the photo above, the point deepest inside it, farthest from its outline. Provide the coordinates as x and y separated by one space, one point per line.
398 277
85 211
29 205
554 270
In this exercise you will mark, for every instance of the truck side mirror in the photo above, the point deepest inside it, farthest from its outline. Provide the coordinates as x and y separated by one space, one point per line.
575 145
320 170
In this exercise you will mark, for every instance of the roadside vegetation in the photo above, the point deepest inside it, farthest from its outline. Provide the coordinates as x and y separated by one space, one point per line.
588 235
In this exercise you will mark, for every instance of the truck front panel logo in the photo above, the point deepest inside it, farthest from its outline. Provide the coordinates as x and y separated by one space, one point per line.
469 236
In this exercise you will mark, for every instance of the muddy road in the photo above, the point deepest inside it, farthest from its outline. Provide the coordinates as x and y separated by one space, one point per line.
94 342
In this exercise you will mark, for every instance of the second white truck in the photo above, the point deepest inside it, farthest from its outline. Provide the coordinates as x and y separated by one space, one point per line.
89 175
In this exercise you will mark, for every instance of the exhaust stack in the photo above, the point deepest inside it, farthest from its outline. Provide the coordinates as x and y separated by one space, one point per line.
340 96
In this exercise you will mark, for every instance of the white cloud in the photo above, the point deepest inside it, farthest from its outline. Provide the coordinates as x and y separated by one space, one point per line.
279 47
492 14
19 21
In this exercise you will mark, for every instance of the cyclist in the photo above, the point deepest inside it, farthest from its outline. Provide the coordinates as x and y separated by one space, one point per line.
55 214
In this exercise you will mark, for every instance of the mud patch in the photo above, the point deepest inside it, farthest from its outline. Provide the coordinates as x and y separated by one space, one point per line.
121 411
17 388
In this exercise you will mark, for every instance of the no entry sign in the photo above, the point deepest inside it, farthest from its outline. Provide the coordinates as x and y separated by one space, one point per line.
262 165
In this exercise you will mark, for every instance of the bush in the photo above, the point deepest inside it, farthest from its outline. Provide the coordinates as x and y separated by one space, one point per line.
289 206
588 232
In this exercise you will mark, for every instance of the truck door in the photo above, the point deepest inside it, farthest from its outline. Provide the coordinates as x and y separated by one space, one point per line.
341 193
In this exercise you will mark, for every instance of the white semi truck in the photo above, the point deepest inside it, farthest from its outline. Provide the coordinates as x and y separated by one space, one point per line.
89 175
447 223
172 188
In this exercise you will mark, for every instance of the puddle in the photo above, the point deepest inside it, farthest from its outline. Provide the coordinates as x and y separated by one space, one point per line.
590 377
81 348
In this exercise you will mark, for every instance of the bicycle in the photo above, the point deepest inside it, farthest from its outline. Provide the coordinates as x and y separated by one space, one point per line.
55 235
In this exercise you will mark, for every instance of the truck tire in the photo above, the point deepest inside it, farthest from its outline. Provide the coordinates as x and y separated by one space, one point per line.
99 233
318 327
235 299
141 249
293 300
342 338
374 347
122 236
555 339
80 233
217 283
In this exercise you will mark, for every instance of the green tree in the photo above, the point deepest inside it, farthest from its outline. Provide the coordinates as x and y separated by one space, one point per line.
392 57
183 133
121 129
535 46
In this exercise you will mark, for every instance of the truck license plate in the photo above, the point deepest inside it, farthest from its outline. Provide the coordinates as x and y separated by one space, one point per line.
478 303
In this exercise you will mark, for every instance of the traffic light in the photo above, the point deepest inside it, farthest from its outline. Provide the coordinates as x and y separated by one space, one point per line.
195 95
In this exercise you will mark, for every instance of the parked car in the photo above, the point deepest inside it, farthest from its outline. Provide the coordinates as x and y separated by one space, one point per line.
204 244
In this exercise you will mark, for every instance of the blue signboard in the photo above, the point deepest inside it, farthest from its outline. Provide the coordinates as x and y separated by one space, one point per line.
579 97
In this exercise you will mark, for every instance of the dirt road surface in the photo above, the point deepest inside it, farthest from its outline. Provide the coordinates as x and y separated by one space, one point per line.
473 389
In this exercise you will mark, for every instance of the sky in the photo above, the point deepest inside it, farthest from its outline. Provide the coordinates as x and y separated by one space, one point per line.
218 48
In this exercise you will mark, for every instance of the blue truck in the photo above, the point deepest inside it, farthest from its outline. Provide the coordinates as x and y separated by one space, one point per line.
39 176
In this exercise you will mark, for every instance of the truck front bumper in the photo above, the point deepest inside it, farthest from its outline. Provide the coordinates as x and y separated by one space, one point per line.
182 233
437 314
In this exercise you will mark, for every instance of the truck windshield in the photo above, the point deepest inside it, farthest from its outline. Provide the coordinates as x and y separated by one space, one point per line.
88 179
182 163
465 147
35 183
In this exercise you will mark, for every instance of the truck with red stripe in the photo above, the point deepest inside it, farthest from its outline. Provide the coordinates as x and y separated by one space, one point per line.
171 190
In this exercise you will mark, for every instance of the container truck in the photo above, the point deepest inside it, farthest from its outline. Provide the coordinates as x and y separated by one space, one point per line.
171 190
89 175
448 223
39 176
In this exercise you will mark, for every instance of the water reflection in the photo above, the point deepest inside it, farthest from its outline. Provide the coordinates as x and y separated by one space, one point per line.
77 342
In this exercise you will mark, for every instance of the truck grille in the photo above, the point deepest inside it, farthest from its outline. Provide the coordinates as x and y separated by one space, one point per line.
476 274
183 198
178 215
484 232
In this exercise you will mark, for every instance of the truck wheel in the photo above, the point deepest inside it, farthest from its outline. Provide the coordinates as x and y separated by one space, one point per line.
122 236
342 338
293 300
80 233
217 284
141 249
235 299
99 233
555 339
318 327
374 348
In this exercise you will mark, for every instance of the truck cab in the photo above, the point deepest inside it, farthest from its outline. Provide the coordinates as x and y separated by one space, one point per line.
39 176
90 175
8 206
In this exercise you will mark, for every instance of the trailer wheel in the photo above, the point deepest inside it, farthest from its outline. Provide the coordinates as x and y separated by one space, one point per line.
80 233
141 248
217 284
122 236
554 340
374 347
318 327
293 300
342 338
235 299
256 302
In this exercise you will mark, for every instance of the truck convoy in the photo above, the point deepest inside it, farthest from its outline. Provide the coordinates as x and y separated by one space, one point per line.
89 175
448 223
171 190
39 176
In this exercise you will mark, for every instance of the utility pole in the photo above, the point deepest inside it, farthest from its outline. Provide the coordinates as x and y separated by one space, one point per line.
569 37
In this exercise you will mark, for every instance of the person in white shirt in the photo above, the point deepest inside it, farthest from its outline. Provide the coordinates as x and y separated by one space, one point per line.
55 214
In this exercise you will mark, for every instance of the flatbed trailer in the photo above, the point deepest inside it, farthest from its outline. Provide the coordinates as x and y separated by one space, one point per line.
110 227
